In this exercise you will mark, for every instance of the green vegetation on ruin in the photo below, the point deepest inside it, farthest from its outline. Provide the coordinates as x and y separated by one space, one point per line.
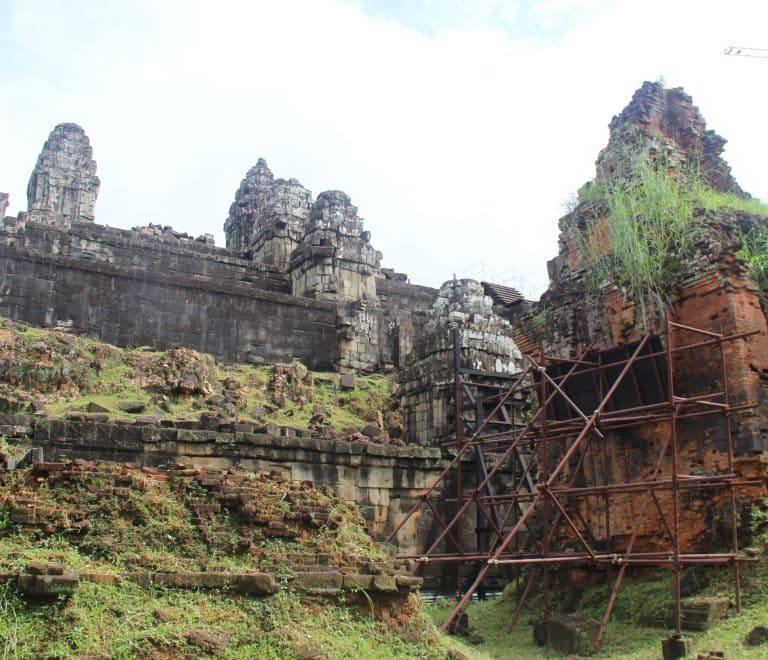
627 637
645 596
128 621
68 372
644 224
754 252
149 526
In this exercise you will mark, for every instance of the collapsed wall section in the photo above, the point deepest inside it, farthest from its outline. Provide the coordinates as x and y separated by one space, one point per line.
383 480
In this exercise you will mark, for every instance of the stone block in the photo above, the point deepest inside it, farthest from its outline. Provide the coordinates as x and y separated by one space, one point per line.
675 647
385 583
712 654
49 467
46 568
319 582
132 407
412 582
355 582
192 579
347 382
37 407
258 584
757 636
97 417
45 586
23 515
699 614
101 578
571 633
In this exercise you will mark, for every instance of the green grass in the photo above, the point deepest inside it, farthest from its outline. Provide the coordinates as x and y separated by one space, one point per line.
150 524
642 227
127 621
754 252
69 375
148 527
626 638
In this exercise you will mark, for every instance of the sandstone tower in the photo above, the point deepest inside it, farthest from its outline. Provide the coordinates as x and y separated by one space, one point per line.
335 258
486 344
64 186
266 220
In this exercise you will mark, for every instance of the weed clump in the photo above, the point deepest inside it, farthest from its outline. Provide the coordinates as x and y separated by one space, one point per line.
637 229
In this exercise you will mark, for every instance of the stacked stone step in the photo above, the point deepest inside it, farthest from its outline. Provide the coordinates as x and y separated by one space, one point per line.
48 580
204 515
700 614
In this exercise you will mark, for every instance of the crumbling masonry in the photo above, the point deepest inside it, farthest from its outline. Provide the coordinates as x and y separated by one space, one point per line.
299 278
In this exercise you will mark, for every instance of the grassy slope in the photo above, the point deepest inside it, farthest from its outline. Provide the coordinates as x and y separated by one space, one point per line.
128 621
625 638
64 374
149 526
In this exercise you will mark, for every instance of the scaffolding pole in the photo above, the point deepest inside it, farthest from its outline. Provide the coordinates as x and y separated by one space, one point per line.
561 433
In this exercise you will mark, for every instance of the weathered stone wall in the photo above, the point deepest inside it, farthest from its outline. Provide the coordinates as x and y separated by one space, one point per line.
298 278
383 480
3 204
130 291
404 309
129 288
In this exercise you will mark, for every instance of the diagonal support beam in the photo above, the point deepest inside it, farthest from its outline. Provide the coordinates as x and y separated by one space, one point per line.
588 428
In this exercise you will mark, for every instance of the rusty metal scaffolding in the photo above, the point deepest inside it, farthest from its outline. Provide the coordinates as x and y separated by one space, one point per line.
541 524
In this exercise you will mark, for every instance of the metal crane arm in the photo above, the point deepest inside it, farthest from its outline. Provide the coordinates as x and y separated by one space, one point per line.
747 52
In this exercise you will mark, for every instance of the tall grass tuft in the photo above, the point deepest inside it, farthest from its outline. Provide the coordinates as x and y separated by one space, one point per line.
754 252
645 225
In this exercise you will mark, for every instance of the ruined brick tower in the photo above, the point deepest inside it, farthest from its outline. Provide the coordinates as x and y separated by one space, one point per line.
712 291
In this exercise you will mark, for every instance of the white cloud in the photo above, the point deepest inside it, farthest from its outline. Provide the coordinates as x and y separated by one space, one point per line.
457 146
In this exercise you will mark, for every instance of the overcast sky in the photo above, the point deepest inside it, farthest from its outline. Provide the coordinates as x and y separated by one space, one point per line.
458 128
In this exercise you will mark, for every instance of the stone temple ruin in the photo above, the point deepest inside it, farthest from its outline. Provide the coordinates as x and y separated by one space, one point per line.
64 186
592 429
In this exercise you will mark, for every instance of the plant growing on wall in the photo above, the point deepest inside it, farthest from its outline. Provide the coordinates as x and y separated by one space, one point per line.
642 225
754 252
